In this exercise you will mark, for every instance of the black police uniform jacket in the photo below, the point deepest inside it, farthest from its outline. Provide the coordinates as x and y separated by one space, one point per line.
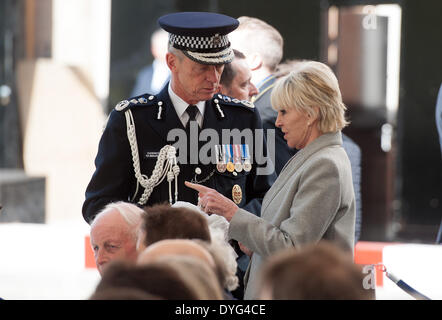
114 177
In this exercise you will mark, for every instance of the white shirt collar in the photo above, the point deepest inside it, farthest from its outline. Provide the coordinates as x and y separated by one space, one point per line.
180 107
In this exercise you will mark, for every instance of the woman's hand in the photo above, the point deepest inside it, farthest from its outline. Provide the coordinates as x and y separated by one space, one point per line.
211 201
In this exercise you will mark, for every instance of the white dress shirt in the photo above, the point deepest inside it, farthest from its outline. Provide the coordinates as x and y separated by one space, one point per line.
181 106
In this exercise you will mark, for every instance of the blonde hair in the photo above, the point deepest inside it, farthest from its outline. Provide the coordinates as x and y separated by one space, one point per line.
311 87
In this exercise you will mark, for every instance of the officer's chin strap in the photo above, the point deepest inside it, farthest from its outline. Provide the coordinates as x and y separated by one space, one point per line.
403 285
166 165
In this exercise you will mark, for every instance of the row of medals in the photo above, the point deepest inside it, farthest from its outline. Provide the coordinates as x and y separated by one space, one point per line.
239 163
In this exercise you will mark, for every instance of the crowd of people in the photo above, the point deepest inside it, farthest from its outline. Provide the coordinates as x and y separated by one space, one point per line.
168 224
163 252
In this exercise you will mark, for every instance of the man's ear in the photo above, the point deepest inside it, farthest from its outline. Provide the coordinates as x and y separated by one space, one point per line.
254 61
172 61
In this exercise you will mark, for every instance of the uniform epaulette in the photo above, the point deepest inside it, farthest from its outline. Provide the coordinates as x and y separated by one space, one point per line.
226 100
141 100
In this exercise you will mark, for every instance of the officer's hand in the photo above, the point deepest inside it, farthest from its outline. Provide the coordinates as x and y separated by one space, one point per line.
211 201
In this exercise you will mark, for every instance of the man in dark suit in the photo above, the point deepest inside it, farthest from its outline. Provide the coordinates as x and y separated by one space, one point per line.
263 45
236 80
137 157
153 77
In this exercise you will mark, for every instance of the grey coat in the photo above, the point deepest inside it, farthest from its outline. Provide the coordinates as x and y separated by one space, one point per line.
312 200
283 152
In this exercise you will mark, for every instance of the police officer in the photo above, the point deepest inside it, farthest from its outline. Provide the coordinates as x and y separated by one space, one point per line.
150 144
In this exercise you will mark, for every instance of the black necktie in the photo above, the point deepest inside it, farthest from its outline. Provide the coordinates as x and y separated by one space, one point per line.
192 111
192 148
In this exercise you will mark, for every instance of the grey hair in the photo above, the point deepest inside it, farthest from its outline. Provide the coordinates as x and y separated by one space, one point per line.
177 52
128 211
225 259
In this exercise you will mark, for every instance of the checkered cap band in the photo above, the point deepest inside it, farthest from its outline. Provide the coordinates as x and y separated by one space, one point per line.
199 44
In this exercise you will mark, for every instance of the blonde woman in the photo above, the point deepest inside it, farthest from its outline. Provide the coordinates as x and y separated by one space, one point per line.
313 197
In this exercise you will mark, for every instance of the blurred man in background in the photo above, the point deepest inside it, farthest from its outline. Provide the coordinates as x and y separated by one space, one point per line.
152 78
266 66
263 60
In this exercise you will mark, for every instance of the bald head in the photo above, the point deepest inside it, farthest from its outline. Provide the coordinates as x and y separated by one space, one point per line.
159 43
249 38
173 247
